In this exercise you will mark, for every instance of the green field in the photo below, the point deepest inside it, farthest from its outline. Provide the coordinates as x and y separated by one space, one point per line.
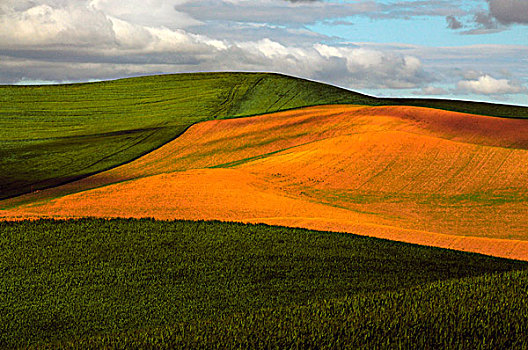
55 134
486 312
137 283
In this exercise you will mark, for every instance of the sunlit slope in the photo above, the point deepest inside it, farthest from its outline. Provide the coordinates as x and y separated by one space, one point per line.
54 134
51 135
406 173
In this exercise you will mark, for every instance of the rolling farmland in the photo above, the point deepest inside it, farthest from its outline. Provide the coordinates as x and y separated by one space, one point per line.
56 134
231 210
406 173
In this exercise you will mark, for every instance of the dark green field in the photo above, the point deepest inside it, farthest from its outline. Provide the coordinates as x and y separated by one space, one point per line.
139 283
50 135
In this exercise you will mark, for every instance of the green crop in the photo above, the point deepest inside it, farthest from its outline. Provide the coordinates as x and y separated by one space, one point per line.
136 283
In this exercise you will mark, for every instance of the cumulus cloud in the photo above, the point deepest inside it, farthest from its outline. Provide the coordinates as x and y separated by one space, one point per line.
81 40
488 85
84 27
68 40
147 12
499 16
43 24
377 68
485 20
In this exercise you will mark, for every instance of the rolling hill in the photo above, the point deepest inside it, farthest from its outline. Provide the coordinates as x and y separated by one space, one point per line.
58 133
51 135
143 165
418 175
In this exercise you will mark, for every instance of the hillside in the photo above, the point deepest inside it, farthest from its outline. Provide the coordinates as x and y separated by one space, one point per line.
485 312
55 134
412 174
143 283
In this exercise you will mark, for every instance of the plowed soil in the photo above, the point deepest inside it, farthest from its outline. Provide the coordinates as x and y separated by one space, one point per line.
411 174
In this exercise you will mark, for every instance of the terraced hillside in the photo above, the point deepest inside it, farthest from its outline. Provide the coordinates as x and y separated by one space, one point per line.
50 135
405 173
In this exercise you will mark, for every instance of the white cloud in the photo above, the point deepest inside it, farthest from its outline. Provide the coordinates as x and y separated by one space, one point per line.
72 24
382 69
72 40
488 85
147 12
85 27
111 38
266 47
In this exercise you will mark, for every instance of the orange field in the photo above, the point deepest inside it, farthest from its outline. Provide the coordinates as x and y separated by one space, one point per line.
405 173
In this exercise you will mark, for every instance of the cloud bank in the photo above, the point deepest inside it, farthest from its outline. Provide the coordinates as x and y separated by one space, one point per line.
103 36
81 40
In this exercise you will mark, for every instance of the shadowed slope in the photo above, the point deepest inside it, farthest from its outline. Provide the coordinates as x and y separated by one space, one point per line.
406 173
68 280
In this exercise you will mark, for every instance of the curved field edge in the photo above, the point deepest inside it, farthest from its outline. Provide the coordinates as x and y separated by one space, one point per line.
71 280
51 135
485 312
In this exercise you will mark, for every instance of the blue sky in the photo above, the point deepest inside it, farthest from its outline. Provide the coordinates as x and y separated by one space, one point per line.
476 49
426 31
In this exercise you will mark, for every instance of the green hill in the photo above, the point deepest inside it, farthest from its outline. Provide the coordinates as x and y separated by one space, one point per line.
95 283
58 133
55 134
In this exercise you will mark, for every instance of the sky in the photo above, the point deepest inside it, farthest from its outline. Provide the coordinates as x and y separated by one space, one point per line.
472 49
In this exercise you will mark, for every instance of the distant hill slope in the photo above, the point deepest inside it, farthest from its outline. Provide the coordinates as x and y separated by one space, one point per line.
55 134
471 107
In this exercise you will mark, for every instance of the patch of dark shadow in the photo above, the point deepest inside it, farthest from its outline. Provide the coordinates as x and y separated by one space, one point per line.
64 186
90 136
8 193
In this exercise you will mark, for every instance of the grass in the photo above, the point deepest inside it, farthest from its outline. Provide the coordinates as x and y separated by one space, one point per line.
138 283
51 135
485 312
